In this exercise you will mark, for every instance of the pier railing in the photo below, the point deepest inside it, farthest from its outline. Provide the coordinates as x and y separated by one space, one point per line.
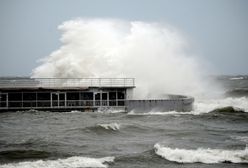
66 82
39 104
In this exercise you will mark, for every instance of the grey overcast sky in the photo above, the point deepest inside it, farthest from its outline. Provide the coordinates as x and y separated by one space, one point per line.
217 30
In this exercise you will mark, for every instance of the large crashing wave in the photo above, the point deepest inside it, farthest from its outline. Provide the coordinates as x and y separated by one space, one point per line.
154 53
72 162
202 155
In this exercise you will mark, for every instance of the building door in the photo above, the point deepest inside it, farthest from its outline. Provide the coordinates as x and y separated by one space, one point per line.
3 100
58 99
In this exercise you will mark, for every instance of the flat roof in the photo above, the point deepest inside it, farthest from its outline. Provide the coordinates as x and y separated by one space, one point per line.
65 83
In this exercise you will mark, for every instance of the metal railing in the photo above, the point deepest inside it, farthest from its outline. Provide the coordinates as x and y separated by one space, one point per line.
61 104
66 82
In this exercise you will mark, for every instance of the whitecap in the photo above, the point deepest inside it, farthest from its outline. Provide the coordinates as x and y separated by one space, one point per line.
71 162
237 78
202 155
205 106
110 126
110 110
74 112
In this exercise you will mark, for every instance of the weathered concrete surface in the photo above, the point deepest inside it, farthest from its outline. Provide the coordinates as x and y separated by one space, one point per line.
172 103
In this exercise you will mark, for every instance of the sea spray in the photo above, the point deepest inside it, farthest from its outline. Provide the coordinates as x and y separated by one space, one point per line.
154 53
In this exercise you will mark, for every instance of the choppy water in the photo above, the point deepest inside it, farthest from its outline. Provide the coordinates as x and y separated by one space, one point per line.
200 138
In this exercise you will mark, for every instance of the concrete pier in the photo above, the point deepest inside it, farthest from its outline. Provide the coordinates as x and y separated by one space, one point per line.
173 103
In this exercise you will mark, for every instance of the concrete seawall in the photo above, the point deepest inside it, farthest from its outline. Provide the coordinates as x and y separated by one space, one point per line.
172 103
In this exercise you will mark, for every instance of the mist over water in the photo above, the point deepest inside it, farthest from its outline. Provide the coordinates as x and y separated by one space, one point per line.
153 53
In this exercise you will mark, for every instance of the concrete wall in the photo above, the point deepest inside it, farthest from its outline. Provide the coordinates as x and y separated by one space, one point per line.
174 103
129 94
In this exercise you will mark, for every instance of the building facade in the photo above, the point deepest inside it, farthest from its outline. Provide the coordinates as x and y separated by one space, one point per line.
65 94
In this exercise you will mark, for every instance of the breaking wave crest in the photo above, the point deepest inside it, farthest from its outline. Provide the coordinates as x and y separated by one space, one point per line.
102 128
71 162
205 106
202 155
110 126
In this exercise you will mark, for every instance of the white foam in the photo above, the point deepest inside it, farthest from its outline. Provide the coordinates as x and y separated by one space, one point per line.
207 105
158 113
71 162
110 126
74 111
236 78
202 155
111 111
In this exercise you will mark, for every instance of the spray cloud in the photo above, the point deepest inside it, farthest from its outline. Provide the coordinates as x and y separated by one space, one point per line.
153 53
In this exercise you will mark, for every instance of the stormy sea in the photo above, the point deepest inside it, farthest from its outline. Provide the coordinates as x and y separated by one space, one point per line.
214 134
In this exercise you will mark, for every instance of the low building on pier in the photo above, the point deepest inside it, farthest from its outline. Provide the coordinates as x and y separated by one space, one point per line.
65 94
82 94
